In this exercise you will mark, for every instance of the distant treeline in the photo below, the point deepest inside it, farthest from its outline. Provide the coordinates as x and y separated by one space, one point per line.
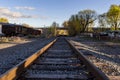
85 20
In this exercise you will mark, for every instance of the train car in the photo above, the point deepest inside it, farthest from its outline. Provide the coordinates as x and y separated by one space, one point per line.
24 30
9 29
37 32
32 31
12 29
17 30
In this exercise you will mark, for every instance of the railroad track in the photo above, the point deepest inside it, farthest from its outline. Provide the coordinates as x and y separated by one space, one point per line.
61 61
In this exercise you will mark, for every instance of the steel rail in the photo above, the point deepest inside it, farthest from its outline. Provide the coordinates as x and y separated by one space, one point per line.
13 73
99 75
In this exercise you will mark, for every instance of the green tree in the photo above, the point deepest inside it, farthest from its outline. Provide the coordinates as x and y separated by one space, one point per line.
78 26
73 25
4 20
113 16
71 28
49 32
53 29
65 24
81 22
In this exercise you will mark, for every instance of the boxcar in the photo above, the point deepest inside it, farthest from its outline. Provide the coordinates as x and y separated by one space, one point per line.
15 30
9 29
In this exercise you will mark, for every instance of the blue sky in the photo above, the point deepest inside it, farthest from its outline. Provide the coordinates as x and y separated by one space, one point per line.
38 13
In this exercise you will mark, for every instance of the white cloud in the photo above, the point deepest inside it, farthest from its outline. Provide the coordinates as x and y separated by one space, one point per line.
6 12
24 8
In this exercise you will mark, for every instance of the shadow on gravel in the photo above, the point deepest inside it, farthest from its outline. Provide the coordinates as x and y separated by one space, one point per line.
107 51
103 56
17 47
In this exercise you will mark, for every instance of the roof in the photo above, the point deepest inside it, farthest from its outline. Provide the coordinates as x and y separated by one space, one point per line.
10 24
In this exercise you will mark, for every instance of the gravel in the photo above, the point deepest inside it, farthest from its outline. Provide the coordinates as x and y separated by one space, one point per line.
105 52
12 55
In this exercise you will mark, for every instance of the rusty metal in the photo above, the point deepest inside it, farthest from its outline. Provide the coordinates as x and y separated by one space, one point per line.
99 75
13 73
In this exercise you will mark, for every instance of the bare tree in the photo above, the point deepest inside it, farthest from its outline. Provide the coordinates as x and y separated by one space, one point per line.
103 23
87 17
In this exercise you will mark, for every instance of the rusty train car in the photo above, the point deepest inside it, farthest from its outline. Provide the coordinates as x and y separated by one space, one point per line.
15 30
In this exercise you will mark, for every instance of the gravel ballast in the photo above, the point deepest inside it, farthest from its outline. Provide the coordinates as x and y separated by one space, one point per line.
14 54
106 52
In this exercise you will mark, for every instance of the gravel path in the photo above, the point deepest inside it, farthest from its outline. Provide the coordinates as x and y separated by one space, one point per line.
13 54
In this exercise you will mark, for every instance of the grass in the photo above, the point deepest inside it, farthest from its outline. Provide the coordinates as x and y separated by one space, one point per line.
9 39
4 39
